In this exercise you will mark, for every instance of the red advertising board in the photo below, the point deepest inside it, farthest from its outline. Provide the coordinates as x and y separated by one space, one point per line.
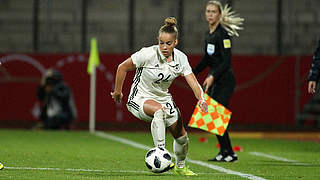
266 90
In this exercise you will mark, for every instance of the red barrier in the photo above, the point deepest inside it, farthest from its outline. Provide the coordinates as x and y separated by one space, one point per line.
265 93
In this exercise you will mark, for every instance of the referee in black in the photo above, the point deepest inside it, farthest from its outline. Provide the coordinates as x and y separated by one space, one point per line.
314 72
220 82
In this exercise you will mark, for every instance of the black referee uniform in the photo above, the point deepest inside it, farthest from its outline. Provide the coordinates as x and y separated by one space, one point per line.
314 73
218 58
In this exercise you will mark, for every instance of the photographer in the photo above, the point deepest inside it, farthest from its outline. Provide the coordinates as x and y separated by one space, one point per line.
58 110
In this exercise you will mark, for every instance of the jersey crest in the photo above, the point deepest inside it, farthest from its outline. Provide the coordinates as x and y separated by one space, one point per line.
210 49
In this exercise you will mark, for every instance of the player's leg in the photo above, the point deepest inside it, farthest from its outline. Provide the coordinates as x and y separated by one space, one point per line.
158 128
180 146
181 141
222 94
226 153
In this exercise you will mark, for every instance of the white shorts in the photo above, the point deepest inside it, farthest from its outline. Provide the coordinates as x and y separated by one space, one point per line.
135 106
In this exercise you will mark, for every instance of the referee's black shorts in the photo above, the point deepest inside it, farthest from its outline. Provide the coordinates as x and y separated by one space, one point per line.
223 88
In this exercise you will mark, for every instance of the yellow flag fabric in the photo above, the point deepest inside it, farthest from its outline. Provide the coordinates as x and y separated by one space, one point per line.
94 60
216 120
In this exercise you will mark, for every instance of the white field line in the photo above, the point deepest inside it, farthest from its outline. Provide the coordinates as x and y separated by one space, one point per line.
53 169
228 171
277 158
141 146
87 170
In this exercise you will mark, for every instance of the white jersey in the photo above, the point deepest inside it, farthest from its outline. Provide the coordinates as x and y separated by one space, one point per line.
154 74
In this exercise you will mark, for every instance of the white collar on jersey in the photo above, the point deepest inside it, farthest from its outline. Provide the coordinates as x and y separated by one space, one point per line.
162 58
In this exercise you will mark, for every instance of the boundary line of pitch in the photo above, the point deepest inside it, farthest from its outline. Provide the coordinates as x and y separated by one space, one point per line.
201 163
277 158
87 170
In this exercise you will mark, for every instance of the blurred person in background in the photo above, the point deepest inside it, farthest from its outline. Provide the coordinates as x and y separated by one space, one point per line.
220 82
314 72
149 99
58 108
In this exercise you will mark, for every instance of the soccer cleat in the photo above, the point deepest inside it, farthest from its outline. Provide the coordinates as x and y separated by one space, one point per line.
1 166
218 158
230 158
171 166
185 171
225 158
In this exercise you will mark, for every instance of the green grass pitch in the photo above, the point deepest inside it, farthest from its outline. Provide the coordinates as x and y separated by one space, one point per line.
45 155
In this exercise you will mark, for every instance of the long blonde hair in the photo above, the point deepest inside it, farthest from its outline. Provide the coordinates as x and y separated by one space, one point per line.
229 20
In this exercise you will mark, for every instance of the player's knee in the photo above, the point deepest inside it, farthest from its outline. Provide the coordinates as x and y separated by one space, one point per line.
183 139
159 114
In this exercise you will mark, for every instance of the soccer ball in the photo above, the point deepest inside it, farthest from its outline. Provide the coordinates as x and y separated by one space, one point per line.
158 160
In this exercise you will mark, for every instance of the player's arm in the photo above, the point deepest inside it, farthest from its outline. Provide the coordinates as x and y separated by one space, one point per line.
224 45
122 70
197 90
201 65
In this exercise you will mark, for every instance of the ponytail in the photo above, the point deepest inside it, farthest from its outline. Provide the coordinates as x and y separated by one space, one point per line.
229 20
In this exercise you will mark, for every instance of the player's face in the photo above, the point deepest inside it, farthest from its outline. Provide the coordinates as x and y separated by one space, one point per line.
167 42
212 14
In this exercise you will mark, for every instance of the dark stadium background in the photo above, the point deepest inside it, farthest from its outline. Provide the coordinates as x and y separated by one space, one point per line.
271 57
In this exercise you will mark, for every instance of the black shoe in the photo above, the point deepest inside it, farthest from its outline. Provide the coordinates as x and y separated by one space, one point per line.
225 158
218 158
230 158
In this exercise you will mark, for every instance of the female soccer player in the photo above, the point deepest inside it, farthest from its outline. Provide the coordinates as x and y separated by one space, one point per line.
156 67
220 82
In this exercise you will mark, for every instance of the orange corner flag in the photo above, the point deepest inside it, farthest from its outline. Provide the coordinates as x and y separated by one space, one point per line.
216 120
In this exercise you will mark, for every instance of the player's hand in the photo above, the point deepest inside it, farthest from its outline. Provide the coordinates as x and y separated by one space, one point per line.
116 96
208 82
312 87
203 105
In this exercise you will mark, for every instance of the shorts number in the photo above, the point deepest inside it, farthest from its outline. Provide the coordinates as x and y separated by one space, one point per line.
168 105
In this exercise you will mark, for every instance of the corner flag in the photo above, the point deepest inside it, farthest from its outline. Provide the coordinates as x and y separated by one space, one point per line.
94 60
216 120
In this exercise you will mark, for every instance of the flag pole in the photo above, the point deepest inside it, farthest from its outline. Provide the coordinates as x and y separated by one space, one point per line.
93 62
92 100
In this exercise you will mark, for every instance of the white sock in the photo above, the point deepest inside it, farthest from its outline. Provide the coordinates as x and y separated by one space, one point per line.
158 128
180 149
